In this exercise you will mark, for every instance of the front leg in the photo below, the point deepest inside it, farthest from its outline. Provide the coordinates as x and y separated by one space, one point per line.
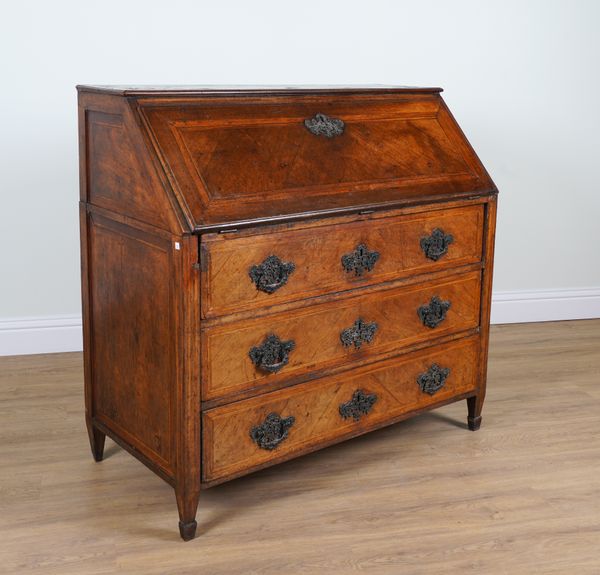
474 405
187 504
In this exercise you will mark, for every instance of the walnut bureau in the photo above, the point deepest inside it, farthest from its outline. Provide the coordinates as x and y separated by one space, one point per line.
268 271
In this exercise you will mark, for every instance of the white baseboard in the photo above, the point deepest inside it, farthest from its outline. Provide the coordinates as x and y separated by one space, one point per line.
50 334
546 305
20 336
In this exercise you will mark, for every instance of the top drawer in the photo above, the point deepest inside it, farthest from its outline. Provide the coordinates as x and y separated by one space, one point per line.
262 269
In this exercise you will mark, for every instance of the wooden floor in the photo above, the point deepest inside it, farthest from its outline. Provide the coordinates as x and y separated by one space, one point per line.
520 496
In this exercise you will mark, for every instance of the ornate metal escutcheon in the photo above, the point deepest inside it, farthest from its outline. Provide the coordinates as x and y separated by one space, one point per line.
360 260
433 313
271 274
272 354
360 404
361 332
436 245
272 431
323 125
433 379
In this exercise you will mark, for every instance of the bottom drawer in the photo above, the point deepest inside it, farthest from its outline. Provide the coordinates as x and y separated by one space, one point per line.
242 436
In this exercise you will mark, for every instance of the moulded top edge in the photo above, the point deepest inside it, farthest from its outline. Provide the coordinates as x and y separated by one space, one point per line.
157 90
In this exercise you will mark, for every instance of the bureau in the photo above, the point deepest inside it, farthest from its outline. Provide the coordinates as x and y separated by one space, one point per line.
266 272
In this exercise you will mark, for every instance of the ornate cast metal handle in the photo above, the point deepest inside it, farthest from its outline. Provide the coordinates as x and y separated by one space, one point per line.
272 431
359 333
272 354
271 274
360 404
323 125
433 313
360 260
433 379
436 245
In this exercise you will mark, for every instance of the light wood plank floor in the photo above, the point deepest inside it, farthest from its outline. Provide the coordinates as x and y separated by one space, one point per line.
521 496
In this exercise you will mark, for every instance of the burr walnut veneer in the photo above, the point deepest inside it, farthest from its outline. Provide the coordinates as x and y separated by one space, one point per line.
269 271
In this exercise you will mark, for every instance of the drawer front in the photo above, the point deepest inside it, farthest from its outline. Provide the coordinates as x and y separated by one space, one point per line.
275 426
262 269
250 353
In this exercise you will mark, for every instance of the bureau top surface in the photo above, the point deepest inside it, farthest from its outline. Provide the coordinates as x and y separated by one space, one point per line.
236 156
137 90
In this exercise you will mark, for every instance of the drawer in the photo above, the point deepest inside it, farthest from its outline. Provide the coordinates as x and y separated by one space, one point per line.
246 354
261 268
256 432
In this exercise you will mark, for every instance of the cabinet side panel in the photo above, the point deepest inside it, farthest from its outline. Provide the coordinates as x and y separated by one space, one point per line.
117 167
132 338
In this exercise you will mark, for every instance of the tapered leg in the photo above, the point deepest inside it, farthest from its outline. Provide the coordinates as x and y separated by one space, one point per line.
187 503
188 420
474 405
97 439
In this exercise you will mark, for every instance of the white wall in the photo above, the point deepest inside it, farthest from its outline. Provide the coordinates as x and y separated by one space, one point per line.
522 78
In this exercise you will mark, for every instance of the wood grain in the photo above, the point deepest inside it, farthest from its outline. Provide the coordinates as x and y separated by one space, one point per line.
132 324
229 450
317 255
116 170
475 404
315 331
246 157
423 497
188 437
158 169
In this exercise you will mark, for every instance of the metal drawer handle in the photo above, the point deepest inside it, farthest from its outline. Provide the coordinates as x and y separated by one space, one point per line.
433 379
272 431
360 260
359 333
436 245
272 354
323 125
433 313
360 404
271 274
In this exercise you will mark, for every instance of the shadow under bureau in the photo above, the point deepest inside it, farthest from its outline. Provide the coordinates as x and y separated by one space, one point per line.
269 271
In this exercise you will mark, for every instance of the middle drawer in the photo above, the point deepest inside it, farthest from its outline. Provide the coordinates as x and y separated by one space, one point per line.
239 356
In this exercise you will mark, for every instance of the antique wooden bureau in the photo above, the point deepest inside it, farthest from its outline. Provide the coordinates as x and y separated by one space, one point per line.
269 271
